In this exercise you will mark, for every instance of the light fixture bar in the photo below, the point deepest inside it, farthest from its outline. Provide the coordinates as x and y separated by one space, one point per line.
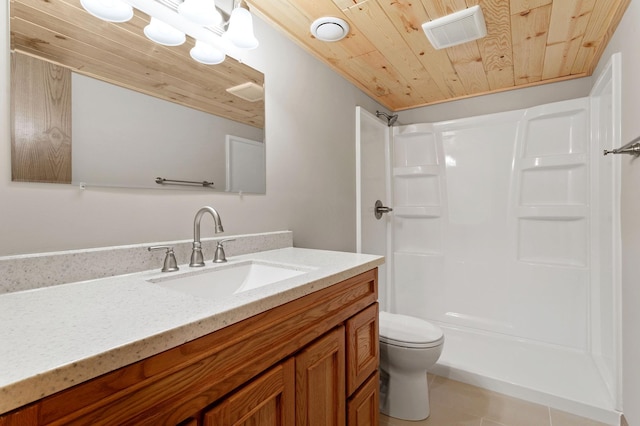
171 17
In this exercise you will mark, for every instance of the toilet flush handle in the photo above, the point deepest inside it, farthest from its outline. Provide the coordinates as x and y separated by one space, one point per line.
379 209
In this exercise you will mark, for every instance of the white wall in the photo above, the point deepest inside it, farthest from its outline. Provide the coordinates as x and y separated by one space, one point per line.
625 40
499 102
310 171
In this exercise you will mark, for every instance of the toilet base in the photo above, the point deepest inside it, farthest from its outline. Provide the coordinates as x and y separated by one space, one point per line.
404 396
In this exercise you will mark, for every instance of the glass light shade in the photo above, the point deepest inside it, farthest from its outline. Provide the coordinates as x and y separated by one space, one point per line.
206 54
163 33
108 10
201 12
240 31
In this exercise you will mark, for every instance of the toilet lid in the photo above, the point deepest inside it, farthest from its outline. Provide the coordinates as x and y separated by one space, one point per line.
403 330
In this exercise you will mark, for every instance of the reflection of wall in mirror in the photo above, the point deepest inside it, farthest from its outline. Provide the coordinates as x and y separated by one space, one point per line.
127 139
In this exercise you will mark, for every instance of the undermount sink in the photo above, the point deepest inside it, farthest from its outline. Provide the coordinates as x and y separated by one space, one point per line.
229 279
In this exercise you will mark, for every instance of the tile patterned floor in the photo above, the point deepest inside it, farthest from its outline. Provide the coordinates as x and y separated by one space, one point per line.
458 404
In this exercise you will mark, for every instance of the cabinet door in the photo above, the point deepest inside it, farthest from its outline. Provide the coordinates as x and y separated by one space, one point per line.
268 400
363 407
320 382
362 347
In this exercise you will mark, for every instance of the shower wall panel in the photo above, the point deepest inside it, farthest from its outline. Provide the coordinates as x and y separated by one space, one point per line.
492 222
373 179
605 306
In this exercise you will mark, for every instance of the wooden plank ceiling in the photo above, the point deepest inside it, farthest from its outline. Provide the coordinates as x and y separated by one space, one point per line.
62 32
386 53
388 56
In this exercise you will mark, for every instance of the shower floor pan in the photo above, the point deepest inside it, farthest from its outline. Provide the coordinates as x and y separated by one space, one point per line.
557 377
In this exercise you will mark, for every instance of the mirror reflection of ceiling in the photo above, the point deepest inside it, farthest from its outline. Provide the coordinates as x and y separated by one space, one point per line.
62 32
388 56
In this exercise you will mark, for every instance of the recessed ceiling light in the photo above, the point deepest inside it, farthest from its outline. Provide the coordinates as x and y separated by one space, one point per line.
329 28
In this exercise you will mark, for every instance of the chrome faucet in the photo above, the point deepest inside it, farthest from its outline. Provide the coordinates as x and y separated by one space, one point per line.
196 254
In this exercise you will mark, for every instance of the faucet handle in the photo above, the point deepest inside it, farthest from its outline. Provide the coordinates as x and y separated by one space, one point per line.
170 263
219 256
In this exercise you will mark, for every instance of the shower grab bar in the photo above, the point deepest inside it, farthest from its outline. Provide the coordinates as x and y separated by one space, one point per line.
162 181
632 148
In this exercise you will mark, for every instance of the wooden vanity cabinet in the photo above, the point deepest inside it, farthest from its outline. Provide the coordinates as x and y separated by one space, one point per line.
364 404
268 400
320 381
363 379
312 361
323 371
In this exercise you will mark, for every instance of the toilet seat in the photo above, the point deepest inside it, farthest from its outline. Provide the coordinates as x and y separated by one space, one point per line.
408 332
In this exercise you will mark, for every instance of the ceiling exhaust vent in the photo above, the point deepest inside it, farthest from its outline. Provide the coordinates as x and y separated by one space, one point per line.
457 28
249 91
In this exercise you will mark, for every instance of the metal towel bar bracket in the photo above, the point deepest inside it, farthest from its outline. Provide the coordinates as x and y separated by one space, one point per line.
632 148
162 181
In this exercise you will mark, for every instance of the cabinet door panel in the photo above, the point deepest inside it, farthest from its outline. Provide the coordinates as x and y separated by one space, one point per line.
320 382
268 400
362 347
363 407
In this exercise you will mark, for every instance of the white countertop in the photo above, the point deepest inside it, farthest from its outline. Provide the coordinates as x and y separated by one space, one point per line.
56 337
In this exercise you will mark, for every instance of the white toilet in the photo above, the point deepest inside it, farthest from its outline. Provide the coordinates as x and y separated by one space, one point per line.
408 347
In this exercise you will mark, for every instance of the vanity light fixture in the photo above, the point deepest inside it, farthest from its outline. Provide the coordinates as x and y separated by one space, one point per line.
201 12
163 33
206 54
172 19
240 31
108 10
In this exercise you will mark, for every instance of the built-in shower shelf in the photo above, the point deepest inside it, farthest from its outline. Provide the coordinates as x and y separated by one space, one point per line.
417 129
555 212
423 170
419 255
417 211
554 161
550 263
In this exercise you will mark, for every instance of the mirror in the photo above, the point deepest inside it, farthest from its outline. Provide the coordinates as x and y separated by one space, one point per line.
120 126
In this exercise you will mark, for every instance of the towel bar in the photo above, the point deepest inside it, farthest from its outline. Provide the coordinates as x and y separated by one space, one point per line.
632 148
162 181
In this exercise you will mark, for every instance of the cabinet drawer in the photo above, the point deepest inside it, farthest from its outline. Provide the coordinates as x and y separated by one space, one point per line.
268 400
362 347
363 407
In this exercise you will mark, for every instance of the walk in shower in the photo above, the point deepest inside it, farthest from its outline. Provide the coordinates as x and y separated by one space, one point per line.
505 233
